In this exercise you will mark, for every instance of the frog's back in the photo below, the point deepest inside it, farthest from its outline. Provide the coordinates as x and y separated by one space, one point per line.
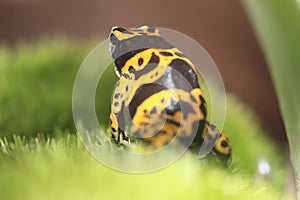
158 95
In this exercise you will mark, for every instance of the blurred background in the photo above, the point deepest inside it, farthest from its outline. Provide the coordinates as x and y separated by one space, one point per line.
221 27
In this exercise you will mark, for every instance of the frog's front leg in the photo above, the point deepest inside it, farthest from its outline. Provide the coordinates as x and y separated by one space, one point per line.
118 134
117 118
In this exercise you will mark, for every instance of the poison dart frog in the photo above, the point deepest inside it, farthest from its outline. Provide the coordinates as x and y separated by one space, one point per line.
158 96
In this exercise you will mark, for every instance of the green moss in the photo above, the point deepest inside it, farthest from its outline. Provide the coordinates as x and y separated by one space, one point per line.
36 85
61 169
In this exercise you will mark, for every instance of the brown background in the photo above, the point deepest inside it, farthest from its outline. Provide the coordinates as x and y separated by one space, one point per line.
221 27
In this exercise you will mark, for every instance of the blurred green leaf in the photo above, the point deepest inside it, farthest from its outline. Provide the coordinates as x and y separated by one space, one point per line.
277 24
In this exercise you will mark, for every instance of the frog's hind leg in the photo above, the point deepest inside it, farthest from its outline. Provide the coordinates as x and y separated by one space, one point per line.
217 142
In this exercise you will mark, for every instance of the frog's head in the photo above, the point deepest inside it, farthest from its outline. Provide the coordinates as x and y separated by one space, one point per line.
125 43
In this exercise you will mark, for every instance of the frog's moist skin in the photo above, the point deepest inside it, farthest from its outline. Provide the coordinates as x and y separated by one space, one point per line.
158 94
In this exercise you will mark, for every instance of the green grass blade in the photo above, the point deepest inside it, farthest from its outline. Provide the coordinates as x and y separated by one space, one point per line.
277 24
